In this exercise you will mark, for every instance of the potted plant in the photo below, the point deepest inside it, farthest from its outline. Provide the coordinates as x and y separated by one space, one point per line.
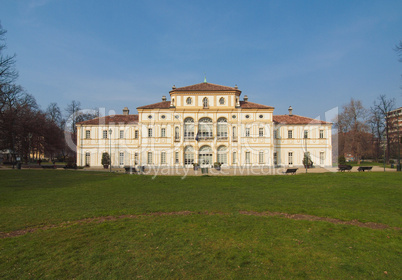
217 165
195 166
105 160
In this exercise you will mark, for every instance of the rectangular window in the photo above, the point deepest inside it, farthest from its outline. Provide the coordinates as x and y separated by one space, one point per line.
290 158
121 158
247 132
163 132
234 157
121 134
149 132
87 134
176 133
321 134
87 159
275 158
136 158
234 133
290 134
105 134
176 157
261 157
247 157
136 134
149 158
322 158
163 158
275 134
306 134
261 132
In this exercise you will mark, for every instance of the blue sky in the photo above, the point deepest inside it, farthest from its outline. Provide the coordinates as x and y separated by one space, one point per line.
312 55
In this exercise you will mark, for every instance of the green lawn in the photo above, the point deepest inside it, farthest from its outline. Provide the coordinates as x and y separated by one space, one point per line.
211 241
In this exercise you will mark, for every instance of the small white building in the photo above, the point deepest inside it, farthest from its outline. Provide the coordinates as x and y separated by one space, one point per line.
204 123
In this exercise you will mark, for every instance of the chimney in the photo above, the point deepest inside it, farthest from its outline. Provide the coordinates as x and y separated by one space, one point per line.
290 111
164 98
236 87
245 98
126 111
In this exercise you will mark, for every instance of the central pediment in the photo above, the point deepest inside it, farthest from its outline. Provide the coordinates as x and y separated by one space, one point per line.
205 87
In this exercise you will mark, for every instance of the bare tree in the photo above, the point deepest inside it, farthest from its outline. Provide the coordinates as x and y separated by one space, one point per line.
8 74
353 129
53 113
382 107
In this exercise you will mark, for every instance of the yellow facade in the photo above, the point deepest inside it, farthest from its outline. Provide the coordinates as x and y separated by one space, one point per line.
204 124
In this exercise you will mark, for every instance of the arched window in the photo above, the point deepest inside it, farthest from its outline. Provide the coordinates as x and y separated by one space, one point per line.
222 101
176 133
188 100
222 128
189 128
205 128
205 102
205 156
222 155
188 155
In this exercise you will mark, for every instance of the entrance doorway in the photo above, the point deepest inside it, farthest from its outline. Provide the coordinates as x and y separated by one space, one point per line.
205 156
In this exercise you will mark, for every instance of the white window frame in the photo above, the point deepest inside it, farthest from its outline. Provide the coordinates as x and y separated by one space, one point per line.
121 158
290 134
290 158
87 134
205 102
261 132
136 134
163 157
234 159
121 134
176 157
149 132
222 155
149 158
105 134
321 134
322 158
261 157
163 132
87 159
248 157
222 128
247 132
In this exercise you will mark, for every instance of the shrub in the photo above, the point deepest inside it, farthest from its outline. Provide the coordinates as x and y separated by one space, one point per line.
105 159
341 160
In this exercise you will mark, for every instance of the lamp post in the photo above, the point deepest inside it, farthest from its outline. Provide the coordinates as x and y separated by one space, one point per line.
110 149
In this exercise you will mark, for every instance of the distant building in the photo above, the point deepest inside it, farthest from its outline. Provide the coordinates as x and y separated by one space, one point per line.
204 123
395 120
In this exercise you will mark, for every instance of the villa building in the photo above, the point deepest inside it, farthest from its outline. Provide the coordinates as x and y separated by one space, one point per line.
204 123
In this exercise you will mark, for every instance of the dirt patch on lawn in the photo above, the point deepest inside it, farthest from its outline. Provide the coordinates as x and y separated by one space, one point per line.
103 219
316 218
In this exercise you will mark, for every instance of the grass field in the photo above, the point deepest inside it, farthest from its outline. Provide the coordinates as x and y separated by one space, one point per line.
58 224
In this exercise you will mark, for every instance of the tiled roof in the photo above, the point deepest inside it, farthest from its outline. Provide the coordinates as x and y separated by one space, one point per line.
159 105
205 87
251 105
115 119
295 119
